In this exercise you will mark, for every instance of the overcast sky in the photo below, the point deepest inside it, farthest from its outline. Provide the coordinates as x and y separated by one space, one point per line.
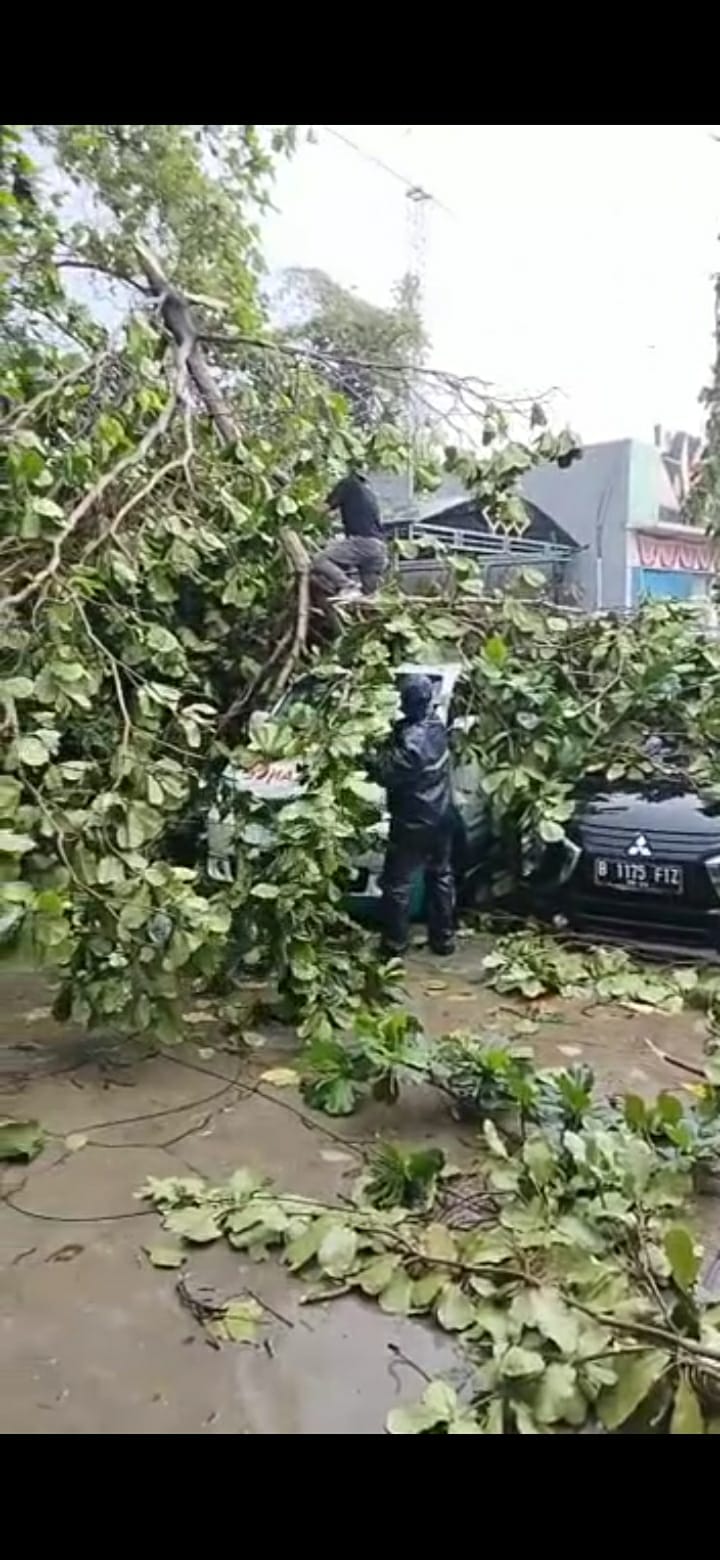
572 255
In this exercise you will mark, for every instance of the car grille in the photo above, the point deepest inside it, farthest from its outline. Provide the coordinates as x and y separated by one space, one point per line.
609 840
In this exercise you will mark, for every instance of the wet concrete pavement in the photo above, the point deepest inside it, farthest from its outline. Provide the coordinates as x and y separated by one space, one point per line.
93 1339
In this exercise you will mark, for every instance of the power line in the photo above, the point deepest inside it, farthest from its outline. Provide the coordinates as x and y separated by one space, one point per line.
411 185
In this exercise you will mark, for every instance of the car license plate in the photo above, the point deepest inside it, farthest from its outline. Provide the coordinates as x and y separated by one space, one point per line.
650 877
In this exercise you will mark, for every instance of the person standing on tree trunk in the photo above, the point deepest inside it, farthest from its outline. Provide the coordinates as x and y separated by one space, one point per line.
414 767
361 550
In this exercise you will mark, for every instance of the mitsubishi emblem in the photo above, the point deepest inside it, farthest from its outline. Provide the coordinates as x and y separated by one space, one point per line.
639 847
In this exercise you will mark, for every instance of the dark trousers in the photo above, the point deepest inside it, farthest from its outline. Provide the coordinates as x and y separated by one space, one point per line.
365 556
411 847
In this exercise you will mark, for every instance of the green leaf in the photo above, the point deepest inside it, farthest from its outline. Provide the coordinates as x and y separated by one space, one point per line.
377 1275
441 1399
712 1069
540 1160
438 1406
140 823
110 870
304 1247
635 1111
17 688
48 509
414 1420
681 1254
554 1319
492 1319
241 1319
558 1397
165 1256
265 891
198 1225
496 650
338 1251
20 1139
15 844
518 1362
439 1243
281 1077
337 1097
493 1139
464 1424
33 752
455 1311
426 1290
687 1416
396 1300
550 833
636 1374
10 793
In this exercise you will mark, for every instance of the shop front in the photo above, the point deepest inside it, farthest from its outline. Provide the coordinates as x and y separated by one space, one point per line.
671 565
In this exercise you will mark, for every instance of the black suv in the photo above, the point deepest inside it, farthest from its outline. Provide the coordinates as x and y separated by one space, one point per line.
641 861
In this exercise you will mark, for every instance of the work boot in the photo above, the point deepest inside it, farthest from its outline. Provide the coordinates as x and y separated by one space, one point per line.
442 950
386 953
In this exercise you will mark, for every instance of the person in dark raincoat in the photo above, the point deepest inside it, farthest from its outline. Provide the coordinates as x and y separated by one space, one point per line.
414 767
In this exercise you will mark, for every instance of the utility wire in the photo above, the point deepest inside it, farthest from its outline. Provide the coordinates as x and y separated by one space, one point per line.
412 186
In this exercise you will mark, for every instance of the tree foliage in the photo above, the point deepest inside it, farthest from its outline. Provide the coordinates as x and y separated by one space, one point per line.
155 446
365 352
704 501
141 561
153 455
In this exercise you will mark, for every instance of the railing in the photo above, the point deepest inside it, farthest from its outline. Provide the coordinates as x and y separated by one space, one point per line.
496 548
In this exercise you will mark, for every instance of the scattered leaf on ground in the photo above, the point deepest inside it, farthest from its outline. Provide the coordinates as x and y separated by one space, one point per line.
165 1256
241 1320
75 1140
636 1376
281 1077
335 1156
338 1250
195 1224
20 1139
36 1015
455 1312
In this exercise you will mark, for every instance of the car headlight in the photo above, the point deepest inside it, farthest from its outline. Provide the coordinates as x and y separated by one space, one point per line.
570 858
712 867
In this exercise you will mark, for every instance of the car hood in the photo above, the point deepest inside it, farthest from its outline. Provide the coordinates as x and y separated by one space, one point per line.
658 806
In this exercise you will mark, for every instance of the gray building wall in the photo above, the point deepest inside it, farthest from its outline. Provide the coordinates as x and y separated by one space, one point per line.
590 500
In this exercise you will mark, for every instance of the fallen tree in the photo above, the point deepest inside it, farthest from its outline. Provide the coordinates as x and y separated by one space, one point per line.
154 468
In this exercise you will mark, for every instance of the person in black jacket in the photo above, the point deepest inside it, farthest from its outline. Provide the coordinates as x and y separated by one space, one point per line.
414 767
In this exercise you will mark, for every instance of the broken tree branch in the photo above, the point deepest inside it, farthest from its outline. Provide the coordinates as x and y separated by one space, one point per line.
178 321
300 561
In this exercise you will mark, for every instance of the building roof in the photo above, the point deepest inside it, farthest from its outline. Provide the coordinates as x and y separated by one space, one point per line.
453 504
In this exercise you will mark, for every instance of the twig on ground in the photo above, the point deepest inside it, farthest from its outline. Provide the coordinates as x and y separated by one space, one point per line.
675 1061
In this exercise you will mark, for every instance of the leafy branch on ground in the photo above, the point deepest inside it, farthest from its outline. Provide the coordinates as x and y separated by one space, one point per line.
528 964
576 1297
